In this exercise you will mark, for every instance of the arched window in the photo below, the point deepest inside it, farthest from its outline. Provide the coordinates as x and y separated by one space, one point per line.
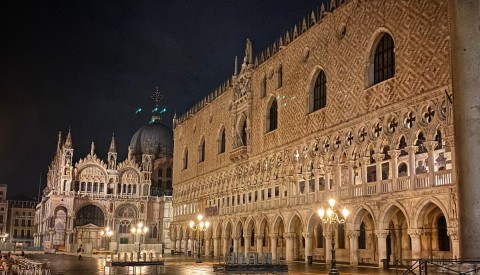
169 172
439 140
201 151
244 133
221 142
263 91
272 116
402 145
419 143
443 238
168 185
319 236
90 214
280 77
384 60
319 92
362 239
341 235
185 159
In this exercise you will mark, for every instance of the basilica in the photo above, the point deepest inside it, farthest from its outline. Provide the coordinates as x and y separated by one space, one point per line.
354 103
95 204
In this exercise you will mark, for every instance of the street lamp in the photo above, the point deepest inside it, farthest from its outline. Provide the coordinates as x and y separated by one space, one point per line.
201 227
332 219
106 233
139 231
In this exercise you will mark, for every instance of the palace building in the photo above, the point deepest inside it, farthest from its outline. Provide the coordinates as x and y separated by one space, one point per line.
84 198
354 103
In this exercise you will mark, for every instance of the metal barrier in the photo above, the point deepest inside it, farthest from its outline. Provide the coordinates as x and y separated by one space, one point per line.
439 266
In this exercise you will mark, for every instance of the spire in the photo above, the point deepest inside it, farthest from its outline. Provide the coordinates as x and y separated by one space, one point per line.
59 143
92 149
236 66
68 142
174 121
113 147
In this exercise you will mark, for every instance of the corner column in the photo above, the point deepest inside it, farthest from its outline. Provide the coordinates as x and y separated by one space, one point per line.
353 236
415 235
382 244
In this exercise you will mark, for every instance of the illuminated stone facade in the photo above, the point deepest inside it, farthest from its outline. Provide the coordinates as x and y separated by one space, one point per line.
355 104
83 198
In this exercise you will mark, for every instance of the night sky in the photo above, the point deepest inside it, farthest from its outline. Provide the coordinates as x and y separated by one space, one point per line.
89 65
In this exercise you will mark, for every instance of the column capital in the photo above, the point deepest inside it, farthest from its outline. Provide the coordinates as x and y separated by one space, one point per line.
327 234
353 234
259 236
307 235
414 232
382 233
327 168
226 237
273 235
378 157
430 145
290 235
452 233
411 149
350 163
236 237
215 237
365 160
394 153
247 236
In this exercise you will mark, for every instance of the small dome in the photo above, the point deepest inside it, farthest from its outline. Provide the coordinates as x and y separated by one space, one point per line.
153 139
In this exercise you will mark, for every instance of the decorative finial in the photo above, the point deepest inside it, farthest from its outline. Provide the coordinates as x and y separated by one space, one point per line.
92 149
236 66
113 147
130 153
68 141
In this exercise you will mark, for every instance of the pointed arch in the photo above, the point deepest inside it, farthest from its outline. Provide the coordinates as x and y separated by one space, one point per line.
185 158
381 58
390 210
222 140
201 149
272 115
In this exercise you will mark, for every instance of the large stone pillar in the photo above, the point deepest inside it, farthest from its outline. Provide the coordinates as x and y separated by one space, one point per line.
308 245
430 145
415 235
289 239
247 241
259 243
394 162
353 235
216 246
453 234
382 245
236 242
378 169
328 246
466 111
208 240
412 164
273 245
226 240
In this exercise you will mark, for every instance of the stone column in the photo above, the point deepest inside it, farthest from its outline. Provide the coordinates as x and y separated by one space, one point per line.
216 245
364 161
328 246
289 239
466 89
378 167
430 145
415 235
411 164
353 235
394 162
259 242
225 249
208 240
328 170
185 245
273 245
382 245
67 241
236 240
247 241
308 245
453 234
338 178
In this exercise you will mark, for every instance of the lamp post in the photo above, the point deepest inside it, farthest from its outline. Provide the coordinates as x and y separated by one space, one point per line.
332 219
139 231
201 226
106 233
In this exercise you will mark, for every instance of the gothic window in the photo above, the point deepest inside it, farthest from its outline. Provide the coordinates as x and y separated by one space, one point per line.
221 142
319 236
402 169
362 239
341 235
401 146
169 172
419 143
384 60
263 92
272 118
439 140
201 151
280 77
443 238
185 159
319 96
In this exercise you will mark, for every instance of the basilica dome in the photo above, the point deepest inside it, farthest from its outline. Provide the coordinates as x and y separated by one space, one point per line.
153 139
